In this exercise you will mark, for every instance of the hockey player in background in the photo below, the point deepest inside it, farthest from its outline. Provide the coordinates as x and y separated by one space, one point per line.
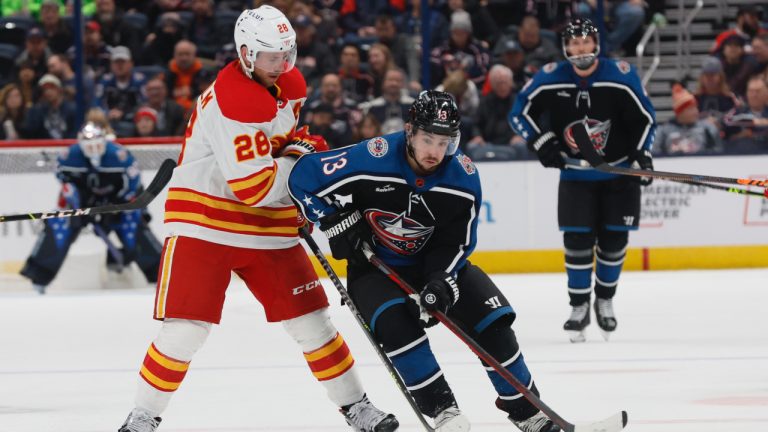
594 208
95 171
414 198
228 210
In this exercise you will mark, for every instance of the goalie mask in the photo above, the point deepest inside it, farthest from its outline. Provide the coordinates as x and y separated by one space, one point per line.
93 142
436 112
269 39
581 28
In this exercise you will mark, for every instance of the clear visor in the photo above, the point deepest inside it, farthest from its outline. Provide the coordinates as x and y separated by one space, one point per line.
449 142
276 62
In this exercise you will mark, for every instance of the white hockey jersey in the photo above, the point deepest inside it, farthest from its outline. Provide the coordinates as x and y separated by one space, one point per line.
229 186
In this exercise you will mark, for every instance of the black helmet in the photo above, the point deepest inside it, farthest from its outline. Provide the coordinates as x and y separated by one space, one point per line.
436 112
581 28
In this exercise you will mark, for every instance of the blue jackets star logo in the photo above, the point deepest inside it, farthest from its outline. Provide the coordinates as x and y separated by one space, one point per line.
398 232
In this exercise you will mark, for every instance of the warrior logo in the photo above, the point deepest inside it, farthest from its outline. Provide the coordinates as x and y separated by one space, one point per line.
598 133
398 232
378 147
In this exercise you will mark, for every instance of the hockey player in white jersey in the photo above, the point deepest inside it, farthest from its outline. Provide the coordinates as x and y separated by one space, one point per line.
228 210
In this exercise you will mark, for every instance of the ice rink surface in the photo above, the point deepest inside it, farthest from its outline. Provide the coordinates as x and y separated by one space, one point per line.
690 355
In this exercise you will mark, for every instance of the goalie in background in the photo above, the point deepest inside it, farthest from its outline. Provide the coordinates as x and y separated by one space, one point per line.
93 172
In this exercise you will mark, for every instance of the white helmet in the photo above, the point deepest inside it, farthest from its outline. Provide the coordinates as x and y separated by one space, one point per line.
265 30
93 142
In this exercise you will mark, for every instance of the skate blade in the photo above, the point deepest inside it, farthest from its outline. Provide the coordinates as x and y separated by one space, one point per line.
576 336
457 424
606 335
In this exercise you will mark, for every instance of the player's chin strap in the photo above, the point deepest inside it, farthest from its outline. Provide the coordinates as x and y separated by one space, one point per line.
614 423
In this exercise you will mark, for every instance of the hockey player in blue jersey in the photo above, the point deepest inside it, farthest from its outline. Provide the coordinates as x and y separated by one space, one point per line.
414 197
594 208
93 172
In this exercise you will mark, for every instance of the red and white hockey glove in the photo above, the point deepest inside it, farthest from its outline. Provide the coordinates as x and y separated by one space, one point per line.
304 143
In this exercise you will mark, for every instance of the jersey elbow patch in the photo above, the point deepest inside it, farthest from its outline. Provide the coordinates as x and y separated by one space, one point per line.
252 189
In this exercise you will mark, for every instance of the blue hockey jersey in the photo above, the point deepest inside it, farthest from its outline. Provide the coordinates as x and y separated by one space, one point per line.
426 221
618 113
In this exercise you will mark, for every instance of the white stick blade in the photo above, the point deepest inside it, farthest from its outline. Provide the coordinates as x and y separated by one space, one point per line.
614 423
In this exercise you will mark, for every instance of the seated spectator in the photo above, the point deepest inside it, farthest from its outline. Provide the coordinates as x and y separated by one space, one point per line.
59 34
368 128
183 70
391 108
379 62
537 51
461 46
146 122
513 57
737 64
119 93
484 27
747 126
747 27
410 22
95 51
313 58
170 115
159 45
627 16
355 83
344 112
760 52
686 133
58 65
115 31
321 123
202 30
713 96
53 117
25 79
36 52
404 51
13 111
491 124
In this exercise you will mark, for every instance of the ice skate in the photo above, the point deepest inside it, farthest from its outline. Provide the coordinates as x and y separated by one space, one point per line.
39 288
140 421
537 423
578 321
364 417
606 319
451 420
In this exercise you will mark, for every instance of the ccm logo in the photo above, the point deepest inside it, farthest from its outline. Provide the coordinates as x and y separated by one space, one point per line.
306 287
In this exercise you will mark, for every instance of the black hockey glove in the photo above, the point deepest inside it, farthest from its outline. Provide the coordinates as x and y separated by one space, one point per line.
547 148
415 308
644 161
440 293
346 232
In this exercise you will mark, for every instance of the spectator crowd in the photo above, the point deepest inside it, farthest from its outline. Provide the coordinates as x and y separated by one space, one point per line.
147 61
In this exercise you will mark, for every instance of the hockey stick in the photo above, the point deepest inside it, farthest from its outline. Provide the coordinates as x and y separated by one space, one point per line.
361 322
589 153
111 248
695 183
156 186
614 423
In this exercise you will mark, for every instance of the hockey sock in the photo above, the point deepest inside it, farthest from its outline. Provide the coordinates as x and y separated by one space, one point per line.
501 343
611 250
167 361
422 376
579 255
327 355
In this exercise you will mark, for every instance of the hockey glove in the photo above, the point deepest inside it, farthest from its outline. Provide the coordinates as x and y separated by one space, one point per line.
547 148
644 161
304 143
346 232
414 307
440 293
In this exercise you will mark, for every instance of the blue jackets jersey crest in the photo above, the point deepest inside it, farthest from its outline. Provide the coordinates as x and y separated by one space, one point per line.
427 221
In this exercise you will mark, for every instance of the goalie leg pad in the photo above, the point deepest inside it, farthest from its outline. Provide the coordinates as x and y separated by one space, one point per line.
611 251
167 362
579 257
327 355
